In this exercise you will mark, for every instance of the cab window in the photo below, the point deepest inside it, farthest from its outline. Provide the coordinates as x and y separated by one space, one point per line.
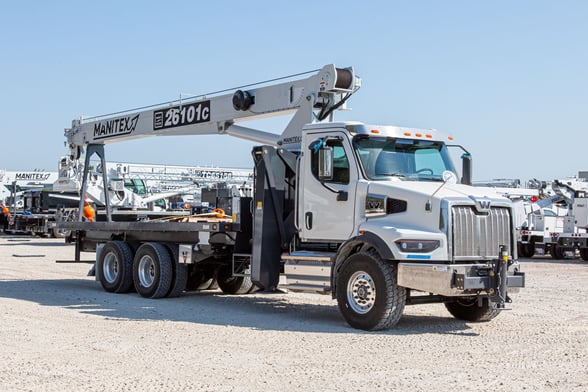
340 163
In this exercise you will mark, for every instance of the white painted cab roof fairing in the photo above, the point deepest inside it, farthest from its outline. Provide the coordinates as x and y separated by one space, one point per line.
358 128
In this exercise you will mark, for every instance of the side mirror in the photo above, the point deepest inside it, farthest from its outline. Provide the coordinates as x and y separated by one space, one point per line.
466 171
325 161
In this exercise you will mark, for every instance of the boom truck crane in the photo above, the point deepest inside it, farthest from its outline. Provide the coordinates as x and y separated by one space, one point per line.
575 225
373 215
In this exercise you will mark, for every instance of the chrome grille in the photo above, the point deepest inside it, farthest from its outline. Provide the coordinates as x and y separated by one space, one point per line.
477 235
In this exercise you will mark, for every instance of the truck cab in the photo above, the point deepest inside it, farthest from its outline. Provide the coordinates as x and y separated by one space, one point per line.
391 194
400 185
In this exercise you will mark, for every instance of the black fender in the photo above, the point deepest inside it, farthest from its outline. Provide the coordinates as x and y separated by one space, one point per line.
354 245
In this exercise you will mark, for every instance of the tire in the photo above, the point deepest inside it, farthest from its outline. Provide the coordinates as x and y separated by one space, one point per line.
584 254
230 284
114 267
253 288
468 309
208 284
527 250
68 215
60 233
367 293
214 285
556 252
180 273
199 278
152 270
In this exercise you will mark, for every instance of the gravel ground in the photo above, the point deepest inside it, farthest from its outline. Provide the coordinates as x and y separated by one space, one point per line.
60 331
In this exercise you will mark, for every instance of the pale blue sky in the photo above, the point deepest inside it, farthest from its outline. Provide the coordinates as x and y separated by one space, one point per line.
509 79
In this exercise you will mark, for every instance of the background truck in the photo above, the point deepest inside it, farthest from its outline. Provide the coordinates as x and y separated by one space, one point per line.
373 215
28 205
574 236
140 187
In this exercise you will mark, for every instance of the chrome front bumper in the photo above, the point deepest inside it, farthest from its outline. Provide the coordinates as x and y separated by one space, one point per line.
456 279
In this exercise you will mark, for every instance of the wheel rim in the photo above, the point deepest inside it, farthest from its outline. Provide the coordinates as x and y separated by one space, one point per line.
146 271
110 267
361 292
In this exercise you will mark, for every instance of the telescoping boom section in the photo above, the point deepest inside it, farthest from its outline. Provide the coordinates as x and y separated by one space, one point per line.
377 216
310 99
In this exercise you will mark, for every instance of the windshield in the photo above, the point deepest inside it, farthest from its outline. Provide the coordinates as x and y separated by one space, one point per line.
421 160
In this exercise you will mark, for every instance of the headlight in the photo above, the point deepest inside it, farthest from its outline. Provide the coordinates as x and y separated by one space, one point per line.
417 246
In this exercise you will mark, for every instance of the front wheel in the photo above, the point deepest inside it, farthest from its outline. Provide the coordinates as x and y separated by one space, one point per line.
367 293
584 254
470 309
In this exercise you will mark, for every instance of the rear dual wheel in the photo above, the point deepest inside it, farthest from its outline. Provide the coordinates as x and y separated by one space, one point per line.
180 273
114 267
153 270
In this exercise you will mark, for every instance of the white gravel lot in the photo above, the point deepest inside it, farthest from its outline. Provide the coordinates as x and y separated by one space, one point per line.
60 331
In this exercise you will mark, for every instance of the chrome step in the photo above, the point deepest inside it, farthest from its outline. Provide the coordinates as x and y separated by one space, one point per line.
308 271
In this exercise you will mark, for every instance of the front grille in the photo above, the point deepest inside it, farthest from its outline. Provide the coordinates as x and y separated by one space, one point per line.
479 235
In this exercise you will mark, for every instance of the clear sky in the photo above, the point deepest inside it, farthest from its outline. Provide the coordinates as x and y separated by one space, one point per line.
508 79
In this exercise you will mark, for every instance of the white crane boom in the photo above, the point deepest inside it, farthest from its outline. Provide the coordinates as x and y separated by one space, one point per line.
324 91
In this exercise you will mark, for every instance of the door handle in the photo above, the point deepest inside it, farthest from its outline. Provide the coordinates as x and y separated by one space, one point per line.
308 220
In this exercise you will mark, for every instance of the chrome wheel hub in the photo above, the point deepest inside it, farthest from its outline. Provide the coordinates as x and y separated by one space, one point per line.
361 292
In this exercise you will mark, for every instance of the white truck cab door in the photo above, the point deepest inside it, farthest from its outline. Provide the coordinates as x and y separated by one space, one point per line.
326 209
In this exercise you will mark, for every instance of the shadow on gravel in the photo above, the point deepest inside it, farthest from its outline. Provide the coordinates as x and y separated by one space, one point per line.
36 242
551 261
259 311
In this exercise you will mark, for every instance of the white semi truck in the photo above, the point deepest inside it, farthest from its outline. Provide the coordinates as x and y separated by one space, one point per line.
374 215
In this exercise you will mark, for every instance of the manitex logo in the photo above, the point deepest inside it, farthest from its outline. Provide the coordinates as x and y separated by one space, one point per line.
116 127
32 176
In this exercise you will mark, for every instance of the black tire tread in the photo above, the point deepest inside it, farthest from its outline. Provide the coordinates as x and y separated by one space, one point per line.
556 252
526 250
163 260
180 273
395 296
469 310
233 284
125 254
